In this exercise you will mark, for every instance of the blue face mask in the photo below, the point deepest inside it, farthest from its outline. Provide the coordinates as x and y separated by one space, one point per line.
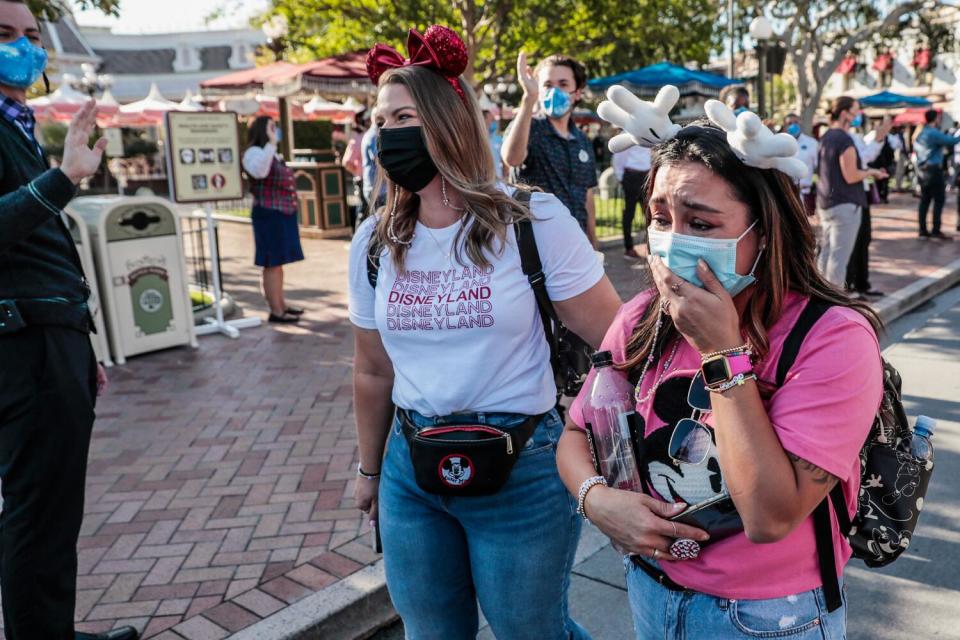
794 130
739 110
555 102
857 121
279 133
21 63
681 252
492 129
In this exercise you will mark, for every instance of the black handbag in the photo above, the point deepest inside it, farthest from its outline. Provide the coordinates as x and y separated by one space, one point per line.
464 459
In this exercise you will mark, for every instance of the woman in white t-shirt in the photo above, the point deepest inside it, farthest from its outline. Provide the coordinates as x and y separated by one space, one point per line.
450 334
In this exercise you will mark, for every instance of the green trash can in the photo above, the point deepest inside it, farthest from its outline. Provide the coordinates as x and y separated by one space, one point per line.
138 253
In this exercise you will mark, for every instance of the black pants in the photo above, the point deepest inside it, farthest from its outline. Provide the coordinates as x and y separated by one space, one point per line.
47 395
933 187
633 182
883 186
858 268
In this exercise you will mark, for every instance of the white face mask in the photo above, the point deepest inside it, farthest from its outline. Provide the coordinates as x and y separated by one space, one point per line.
681 252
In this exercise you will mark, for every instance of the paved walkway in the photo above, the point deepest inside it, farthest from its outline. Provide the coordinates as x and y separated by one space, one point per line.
220 479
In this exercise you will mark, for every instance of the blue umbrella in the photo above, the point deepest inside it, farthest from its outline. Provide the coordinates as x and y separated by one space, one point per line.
648 80
890 100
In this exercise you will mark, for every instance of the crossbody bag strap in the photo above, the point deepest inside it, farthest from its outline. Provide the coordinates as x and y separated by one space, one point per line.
822 527
532 267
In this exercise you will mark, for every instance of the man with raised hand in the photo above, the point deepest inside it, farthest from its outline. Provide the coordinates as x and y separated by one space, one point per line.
49 378
546 149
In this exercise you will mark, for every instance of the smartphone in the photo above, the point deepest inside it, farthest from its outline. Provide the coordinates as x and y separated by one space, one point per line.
717 516
375 538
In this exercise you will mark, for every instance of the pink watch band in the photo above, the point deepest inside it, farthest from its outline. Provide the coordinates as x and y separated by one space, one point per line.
739 363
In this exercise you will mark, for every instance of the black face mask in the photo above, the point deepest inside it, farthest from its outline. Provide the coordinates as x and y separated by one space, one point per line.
403 155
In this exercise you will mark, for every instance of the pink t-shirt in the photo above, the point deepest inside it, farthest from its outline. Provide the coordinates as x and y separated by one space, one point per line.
822 414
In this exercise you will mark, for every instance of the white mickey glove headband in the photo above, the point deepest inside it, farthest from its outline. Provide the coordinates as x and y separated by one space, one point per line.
648 124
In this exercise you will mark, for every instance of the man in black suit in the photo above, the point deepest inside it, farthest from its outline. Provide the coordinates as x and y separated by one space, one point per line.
49 378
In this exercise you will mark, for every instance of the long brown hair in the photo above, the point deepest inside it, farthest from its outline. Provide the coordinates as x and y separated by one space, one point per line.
788 263
456 138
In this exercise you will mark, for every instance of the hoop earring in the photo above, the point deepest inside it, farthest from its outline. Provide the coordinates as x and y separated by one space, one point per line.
391 229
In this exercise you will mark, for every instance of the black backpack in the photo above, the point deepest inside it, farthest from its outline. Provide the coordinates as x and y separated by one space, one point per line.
893 482
569 353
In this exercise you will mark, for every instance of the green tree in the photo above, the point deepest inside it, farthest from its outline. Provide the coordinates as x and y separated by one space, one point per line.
820 33
52 10
608 35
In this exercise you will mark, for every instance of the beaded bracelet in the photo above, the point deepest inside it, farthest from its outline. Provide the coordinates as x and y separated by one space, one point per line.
364 474
588 484
742 349
736 381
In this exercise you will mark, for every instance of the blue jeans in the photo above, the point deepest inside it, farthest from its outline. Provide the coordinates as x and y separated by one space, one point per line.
512 551
670 615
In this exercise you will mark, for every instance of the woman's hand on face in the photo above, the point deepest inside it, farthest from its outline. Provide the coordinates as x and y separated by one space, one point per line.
365 492
638 523
706 317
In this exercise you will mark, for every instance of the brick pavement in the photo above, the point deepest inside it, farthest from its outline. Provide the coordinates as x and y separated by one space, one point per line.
220 479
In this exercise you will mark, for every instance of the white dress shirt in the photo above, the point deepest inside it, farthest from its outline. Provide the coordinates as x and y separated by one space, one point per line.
258 160
636 158
808 152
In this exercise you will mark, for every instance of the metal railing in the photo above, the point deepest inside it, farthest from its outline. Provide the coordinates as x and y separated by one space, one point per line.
196 252
608 204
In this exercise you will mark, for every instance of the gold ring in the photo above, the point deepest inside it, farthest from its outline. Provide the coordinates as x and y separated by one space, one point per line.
655 552
675 534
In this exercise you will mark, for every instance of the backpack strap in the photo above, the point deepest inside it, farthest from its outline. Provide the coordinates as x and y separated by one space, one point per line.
791 346
533 268
822 527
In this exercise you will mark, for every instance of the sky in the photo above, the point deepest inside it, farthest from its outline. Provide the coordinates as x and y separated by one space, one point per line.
163 16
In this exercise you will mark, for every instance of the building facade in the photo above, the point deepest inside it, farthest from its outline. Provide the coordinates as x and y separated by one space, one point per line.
176 62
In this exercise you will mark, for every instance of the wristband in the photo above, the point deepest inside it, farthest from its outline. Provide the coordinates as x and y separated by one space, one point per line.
588 484
744 348
737 381
722 368
364 474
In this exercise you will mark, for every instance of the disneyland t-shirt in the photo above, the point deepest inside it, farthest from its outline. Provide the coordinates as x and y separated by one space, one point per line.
470 338
822 414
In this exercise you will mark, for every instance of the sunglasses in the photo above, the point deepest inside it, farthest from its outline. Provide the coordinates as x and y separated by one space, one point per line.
691 440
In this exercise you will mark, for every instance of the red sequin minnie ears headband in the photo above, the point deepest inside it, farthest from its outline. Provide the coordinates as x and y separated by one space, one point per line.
439 49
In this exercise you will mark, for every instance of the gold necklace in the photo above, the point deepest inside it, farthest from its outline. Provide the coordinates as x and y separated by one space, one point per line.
447 253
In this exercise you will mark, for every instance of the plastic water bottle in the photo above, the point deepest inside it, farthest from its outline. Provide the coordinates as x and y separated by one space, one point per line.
920 445
610 421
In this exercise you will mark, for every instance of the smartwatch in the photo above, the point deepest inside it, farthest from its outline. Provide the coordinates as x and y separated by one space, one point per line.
721 368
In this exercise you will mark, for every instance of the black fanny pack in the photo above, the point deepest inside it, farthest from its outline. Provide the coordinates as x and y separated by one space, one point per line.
464 459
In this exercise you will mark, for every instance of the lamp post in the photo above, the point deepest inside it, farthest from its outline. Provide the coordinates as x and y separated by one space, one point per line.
731 18
761 30
276 30
499 90
92 83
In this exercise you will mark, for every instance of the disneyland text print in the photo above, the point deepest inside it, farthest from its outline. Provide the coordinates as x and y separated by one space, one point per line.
456 298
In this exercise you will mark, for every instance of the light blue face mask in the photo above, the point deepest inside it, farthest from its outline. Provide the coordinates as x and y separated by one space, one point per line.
555 102
492 129
794 130
857 121
21 63
279 133
681 252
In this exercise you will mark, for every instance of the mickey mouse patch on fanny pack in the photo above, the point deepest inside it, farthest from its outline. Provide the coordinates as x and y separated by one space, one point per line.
456 470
